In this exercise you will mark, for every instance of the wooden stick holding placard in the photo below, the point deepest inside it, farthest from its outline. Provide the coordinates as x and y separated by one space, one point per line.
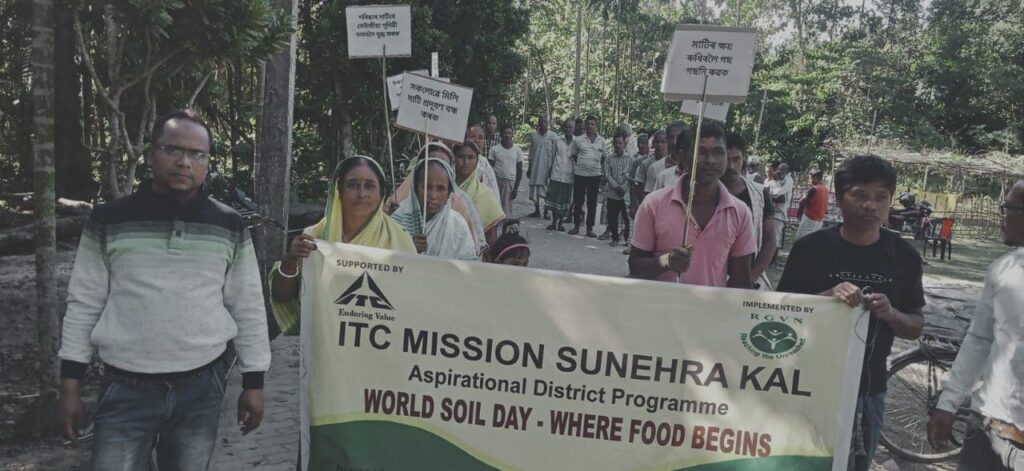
693 173
693 164
387 114
426 164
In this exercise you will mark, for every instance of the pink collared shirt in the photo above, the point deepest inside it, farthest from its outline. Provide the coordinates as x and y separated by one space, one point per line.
729 233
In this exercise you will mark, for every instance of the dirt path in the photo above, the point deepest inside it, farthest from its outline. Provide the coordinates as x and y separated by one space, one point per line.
274 445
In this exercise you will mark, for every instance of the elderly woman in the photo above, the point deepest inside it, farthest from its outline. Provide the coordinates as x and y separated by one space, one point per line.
485 202
445 232
460 201
354 215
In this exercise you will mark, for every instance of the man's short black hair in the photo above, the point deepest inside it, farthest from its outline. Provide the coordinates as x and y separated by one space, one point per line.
675 127
818 174
591 117
866 168
686 139
735 141
186 115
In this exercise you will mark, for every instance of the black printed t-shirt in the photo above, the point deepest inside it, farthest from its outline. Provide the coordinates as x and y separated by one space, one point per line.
822 260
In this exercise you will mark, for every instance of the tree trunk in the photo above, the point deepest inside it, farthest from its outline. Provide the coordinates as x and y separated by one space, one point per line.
23 138
579 47
798 20
88 113
342 128
234 96
616 106
630 75
73 169
547 93
272 169
47 321
526 91
586 64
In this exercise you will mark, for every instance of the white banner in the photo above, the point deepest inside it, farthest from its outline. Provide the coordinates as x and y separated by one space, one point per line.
724 55
434 107
716 111
415 362
374 30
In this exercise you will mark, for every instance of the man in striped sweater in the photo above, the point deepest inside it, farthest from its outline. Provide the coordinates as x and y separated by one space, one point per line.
162 280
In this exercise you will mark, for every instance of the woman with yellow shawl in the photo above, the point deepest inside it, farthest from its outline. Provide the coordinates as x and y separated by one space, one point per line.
354 215
486 203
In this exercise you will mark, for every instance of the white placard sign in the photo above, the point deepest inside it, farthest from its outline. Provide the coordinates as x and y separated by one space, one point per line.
395 87
724 55
376 29
434 68
434 107
717 111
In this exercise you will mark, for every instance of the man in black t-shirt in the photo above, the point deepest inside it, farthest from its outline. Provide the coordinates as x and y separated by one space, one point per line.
858 254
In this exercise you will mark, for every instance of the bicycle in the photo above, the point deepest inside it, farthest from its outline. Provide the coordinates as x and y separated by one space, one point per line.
915 381
226 192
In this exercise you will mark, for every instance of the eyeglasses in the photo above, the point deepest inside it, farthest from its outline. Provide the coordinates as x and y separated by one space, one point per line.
1003 208
176 153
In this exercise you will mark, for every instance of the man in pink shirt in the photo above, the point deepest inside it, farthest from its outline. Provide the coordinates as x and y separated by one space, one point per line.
721 243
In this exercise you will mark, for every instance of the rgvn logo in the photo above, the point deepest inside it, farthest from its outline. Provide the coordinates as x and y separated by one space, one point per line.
773 340
362 290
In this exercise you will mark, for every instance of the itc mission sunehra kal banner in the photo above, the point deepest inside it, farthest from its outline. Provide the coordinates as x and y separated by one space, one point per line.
411 362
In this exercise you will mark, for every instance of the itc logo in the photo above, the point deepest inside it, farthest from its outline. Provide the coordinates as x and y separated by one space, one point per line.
362 290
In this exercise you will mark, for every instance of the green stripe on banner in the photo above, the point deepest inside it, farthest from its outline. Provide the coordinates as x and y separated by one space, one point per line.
384 446
389 446
773 463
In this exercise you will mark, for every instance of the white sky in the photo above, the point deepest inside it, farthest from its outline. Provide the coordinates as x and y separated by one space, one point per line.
775 38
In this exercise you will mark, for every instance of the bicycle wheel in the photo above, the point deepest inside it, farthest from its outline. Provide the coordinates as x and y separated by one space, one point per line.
914 385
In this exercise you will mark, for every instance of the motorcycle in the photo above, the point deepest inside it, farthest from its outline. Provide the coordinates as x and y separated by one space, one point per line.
913 218
224 191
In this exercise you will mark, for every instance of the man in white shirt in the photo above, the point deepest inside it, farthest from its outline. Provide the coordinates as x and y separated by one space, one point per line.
663 160
508 167
587 151
475 133
543 146
780 187
492 135
559 198
992 353
632 145
754 170
669 176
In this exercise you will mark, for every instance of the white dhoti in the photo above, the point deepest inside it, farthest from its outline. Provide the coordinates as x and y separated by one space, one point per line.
807 226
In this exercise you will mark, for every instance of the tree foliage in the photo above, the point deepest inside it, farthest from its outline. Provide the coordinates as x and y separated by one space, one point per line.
948 75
